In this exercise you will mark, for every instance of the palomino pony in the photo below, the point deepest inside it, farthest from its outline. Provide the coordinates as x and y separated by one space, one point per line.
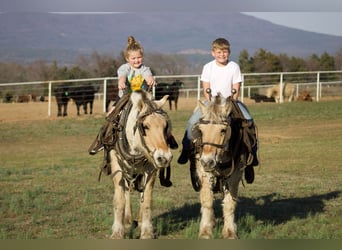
288 92
219 160
138 153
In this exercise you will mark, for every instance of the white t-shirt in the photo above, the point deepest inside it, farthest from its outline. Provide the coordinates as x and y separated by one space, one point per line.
221 79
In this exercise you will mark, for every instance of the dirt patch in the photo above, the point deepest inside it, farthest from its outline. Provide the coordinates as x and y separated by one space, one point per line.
14 112
32 111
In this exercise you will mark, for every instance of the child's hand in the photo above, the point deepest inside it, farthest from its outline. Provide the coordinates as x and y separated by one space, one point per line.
122 82
150 81
122 85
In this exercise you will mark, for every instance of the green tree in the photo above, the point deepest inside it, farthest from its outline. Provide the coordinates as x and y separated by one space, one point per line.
297 64
264 61
313 63
338 60
326 62
245 62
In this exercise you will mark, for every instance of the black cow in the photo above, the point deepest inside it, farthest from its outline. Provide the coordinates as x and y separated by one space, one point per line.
112 95
62 99
82 95
169 89
262 98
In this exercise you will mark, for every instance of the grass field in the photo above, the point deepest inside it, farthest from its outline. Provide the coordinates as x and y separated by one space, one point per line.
49 187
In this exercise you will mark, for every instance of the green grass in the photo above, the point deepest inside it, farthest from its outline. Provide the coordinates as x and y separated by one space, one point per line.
49 187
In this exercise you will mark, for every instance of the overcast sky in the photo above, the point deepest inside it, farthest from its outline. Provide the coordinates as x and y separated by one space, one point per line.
321 22
311 15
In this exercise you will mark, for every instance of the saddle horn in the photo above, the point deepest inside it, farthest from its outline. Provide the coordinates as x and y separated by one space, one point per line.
208 91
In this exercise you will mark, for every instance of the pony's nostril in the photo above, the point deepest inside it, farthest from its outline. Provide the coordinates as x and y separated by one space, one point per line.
208 164
161 159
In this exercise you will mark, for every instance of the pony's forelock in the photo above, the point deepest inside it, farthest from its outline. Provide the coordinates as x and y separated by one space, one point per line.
217 110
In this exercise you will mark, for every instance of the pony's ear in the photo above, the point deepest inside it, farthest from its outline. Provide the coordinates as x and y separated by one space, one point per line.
218 99
160 103
202 106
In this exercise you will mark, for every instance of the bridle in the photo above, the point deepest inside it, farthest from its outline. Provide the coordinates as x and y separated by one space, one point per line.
221 168
140 124
198 135
135 165
123 146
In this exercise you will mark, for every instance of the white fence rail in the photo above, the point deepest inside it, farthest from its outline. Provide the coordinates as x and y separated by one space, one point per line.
318 84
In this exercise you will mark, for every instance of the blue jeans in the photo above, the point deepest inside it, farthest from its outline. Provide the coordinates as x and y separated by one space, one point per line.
195 118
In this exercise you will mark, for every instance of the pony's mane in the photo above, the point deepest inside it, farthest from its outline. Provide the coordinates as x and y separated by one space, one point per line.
217 110
142 100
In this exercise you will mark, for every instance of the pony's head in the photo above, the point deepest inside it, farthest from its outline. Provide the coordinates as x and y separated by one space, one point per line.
212 132
151 128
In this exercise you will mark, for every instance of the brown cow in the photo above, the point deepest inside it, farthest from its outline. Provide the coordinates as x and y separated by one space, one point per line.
23 98
304 96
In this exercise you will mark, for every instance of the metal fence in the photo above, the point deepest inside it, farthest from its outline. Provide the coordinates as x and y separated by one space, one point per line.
318 84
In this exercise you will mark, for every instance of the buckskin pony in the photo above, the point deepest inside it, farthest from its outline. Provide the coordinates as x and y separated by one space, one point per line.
139 150
218 162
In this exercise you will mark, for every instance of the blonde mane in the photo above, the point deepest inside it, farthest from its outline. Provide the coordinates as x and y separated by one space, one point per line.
217 109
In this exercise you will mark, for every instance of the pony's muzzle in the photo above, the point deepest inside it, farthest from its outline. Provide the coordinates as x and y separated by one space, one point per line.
208 163
162 159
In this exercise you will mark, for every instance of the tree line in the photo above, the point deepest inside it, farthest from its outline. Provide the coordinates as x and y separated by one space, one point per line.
265 61
105 65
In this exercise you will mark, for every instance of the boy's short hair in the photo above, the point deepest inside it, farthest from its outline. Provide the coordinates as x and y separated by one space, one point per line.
220 43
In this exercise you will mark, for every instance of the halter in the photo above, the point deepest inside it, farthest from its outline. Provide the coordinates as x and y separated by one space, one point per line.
197 135
221 169
226 138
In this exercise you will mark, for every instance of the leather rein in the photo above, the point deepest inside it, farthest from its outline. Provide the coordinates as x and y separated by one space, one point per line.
228 124
135 163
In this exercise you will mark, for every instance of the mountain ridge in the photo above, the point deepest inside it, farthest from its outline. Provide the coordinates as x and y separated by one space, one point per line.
52 36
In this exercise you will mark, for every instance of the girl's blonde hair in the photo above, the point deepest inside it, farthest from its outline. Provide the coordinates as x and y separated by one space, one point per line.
133 45
220 43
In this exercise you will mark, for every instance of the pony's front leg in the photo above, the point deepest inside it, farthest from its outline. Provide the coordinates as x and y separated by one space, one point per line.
229 205
207 210
145 210
119 206
229 227
128 210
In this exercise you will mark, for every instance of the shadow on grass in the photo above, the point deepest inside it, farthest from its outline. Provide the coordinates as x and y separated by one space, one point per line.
276 210
270 209
177 219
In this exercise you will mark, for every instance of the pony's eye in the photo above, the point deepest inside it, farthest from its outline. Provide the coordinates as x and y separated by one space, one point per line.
145 127
223 131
